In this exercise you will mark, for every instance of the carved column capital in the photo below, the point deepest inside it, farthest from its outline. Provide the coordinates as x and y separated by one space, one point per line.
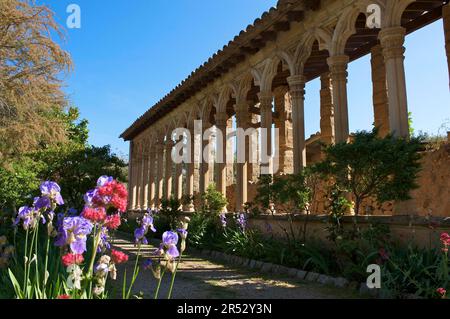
338 66
297 86
221 120
392 40
265 99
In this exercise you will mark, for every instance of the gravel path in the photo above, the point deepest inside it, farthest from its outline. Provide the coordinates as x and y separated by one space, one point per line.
198 278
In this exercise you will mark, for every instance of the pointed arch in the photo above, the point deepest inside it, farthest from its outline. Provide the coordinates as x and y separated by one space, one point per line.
393 12
265 72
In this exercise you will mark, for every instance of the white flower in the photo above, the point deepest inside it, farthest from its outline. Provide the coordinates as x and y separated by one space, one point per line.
74 279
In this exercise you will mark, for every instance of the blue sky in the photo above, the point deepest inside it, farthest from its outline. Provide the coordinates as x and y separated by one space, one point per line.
129 54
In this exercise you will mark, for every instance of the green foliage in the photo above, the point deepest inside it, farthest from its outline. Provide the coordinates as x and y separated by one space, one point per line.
370 166
202 228
410 124
213 201
74 165
414 270
265 191
17 183
76 168
290 194
338 205
170 209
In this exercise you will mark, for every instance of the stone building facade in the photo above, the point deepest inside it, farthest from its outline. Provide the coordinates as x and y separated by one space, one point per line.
258 81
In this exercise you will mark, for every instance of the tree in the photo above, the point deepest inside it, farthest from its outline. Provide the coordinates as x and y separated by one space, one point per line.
74 164
370 166
31 65
18 183
77 167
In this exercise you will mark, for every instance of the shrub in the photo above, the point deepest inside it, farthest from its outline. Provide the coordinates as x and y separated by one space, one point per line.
170 210
371 166
213 201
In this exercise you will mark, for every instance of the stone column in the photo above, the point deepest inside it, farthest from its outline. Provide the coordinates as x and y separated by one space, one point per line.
242 121
327 135
190 170
130 178
338 73
144 181
230 155
204 162
138 179
392 40
168 169
160 173
297 91
252 144
178 183
282 123
221 125
152 179
133 185
265 100
380 99
446 21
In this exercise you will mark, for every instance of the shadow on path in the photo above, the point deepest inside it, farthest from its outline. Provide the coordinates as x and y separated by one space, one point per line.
199 278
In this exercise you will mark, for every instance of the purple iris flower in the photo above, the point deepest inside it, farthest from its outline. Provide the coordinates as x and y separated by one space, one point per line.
51 190
139 236
42 202
101 268
147 264
170 238
152 212
73 232
89 197
27 215
169 244
223 220
58 199
147 222
104 244
72 212
241 221
183 232
102 180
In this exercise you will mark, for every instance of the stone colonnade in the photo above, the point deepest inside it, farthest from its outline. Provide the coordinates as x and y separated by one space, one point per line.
256 98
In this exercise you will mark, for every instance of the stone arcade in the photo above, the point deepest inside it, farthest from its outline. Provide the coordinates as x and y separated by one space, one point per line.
258 80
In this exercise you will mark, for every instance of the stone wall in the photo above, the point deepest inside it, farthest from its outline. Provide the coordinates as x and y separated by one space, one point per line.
422 231
431 198
433 195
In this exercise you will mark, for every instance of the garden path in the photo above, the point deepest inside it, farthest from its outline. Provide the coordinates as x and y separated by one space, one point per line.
199 278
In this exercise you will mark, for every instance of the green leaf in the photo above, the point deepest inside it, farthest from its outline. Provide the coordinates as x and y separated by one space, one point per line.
16 285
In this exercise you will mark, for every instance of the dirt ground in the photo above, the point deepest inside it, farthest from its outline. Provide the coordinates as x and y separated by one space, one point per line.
199 278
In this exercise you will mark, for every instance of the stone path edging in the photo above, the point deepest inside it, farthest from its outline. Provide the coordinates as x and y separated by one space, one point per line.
338 282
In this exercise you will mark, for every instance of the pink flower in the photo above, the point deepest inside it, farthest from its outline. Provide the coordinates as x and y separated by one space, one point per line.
441 291
63 297
113 221
118 257
95 215
72 259
117 193
445 239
